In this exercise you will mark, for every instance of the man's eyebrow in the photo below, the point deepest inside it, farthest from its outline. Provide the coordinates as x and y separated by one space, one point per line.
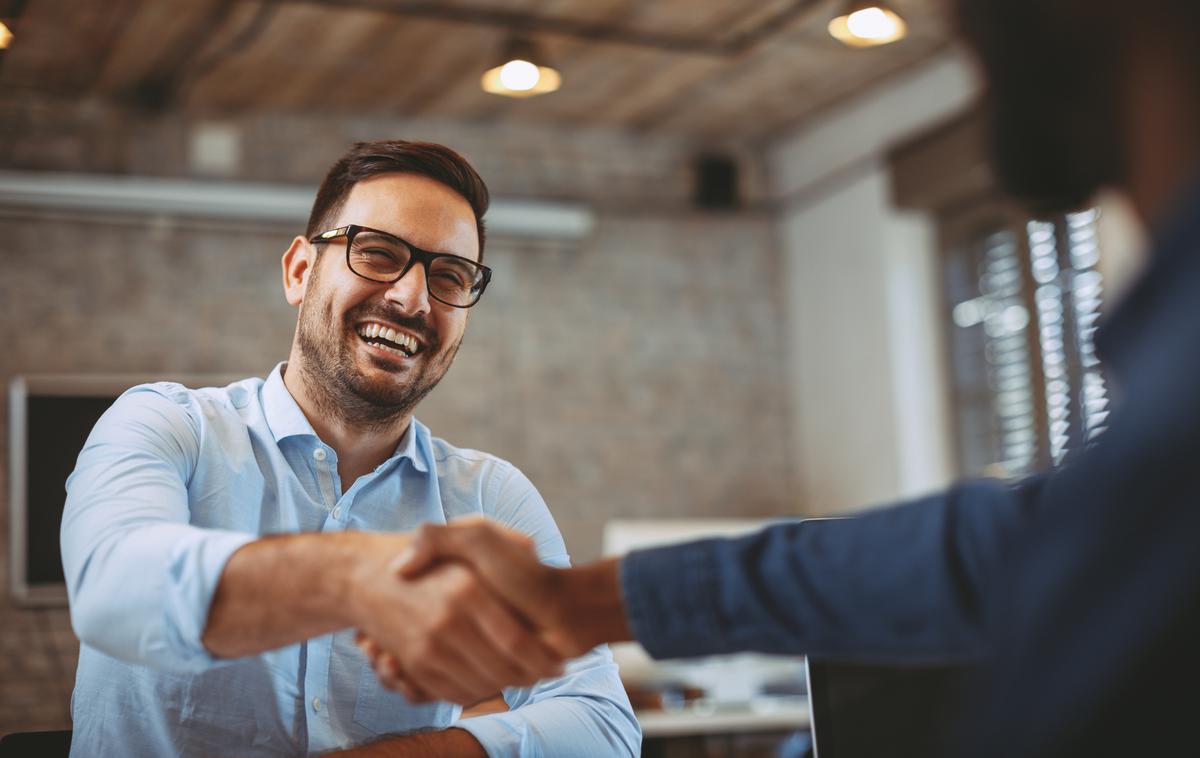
371 230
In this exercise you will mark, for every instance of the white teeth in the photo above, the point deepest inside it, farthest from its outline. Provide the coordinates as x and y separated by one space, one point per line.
373 331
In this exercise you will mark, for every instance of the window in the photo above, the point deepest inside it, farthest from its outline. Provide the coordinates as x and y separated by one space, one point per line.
1023 298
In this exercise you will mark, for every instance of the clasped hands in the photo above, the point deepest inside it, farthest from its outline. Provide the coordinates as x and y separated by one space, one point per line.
466 610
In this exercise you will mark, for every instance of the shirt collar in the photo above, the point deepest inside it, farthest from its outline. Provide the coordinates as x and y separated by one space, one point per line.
415 446
280 409
285 419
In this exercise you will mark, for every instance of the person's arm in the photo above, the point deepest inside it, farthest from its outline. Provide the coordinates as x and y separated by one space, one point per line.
906 583
147 586
139 576
447 629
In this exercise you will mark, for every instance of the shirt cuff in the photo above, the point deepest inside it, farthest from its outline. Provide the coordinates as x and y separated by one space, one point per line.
499 733
671 597
194 571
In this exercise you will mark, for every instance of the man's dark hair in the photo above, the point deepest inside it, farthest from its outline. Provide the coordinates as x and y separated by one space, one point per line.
368 159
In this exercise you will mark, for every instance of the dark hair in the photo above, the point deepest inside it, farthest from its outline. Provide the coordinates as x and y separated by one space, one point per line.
367 159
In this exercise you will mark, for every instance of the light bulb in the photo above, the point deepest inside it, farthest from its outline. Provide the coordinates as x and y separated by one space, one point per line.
871 23
6 35
519 75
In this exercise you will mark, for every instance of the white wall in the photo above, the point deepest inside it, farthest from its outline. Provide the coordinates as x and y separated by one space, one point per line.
869 389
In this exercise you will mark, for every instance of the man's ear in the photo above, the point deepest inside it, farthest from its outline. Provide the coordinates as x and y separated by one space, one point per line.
298 261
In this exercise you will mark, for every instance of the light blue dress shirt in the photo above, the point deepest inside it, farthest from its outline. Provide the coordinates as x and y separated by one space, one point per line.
172 481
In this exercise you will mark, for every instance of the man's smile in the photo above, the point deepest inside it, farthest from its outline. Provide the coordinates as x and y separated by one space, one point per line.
389 339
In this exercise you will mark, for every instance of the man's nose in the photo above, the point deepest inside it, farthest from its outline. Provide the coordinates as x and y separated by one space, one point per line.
411 292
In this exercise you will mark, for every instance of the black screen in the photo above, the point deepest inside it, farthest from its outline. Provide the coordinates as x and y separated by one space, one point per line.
871 711
56 428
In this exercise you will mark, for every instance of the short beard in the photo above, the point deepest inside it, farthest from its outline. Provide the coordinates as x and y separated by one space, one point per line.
333 382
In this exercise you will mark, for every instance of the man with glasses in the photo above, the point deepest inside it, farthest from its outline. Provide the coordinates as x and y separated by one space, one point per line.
224 546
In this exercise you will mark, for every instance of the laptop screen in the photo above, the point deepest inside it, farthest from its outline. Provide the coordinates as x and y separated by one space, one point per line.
872 711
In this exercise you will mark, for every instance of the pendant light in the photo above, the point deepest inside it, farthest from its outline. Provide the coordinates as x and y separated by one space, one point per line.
522 71
867 23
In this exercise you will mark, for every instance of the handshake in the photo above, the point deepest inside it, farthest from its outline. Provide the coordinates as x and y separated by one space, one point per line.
481 612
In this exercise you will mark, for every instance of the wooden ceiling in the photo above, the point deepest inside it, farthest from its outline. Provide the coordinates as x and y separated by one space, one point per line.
702 69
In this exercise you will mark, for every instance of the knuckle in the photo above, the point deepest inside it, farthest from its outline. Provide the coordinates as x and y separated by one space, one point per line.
442 622
511 637
463 586
420 653
425 533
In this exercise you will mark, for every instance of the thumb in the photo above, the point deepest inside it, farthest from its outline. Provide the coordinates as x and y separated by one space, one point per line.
420 553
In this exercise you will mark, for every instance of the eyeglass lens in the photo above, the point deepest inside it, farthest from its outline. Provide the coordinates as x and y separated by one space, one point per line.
381 257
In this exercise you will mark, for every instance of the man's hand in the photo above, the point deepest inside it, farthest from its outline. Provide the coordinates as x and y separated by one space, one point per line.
448 636
573 609
508 562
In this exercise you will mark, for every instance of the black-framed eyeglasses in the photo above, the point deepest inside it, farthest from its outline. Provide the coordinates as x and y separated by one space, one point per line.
385 258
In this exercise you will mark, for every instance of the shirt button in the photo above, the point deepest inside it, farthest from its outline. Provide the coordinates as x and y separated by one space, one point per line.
319 454
337 511
316 703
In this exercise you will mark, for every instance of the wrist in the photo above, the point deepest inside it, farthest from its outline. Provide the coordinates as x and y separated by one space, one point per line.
366 560
594 611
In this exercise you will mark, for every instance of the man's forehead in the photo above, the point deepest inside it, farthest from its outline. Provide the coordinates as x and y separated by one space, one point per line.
421 210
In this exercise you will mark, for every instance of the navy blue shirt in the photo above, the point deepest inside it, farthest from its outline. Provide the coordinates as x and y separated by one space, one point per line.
1078 590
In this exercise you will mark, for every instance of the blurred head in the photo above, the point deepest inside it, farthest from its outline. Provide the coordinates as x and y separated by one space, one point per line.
1057 87
1052 92
349 367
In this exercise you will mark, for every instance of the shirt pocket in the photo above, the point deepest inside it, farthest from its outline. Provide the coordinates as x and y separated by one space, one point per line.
381 711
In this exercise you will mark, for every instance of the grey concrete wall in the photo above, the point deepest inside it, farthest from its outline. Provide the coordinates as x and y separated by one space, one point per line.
636 373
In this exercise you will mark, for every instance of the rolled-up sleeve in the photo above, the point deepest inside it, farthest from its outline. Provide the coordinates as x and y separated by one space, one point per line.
140 578
584 712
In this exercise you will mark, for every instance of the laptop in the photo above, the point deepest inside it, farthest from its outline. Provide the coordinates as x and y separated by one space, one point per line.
875 711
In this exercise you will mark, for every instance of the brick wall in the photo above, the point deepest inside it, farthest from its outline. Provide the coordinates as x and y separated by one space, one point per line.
636 373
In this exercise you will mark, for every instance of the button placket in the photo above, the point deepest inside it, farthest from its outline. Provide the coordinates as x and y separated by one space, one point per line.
325 477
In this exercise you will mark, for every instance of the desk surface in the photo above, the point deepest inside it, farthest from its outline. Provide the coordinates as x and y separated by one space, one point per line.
766 715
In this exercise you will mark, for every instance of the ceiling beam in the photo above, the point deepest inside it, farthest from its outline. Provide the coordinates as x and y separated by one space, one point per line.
519 22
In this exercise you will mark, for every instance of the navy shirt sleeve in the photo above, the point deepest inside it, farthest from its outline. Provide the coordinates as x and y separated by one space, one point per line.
899 584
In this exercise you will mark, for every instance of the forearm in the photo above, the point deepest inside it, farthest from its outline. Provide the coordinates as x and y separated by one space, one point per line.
906 583
449 743
283 589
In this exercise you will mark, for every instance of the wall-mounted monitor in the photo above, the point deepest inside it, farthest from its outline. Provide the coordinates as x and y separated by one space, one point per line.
50 417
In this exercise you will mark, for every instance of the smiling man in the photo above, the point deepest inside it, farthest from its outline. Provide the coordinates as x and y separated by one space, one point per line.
223 545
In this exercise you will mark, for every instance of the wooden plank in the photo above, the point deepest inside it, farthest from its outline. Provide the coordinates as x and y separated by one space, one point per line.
338 42
147 39
250 77
58 44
